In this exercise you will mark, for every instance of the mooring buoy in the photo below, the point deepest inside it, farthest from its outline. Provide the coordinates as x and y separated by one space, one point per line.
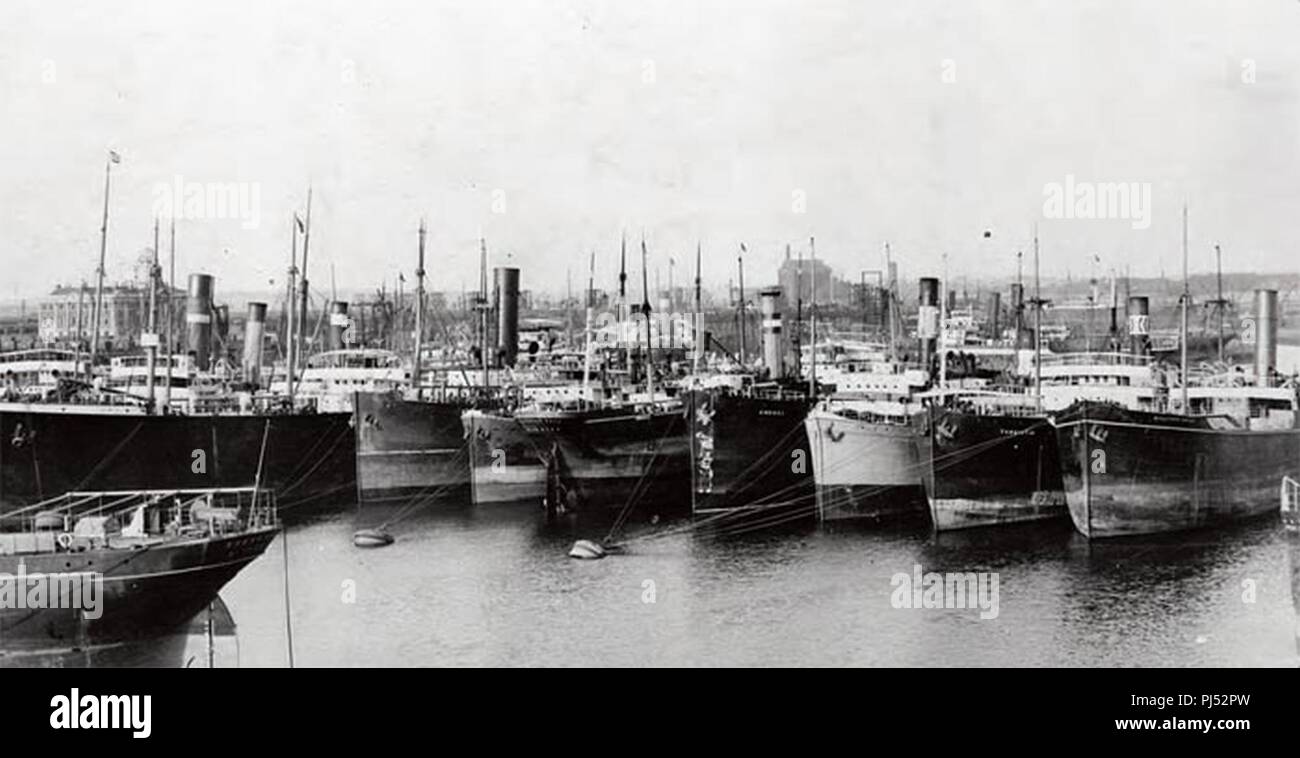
372 538
587 550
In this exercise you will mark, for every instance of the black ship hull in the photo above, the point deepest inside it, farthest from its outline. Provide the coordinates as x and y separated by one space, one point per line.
410 450
144 592
750 453
988 469
1134 472
309 459
612 459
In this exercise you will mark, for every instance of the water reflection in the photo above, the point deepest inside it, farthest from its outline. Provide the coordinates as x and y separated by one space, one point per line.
492 586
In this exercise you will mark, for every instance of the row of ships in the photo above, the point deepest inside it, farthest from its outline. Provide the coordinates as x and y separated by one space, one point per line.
175 469
990 432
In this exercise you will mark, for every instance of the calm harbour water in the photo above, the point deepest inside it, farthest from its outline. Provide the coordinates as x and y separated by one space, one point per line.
492 586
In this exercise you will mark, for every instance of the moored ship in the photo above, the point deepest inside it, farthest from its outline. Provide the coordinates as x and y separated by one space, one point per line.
989 456
409 449
615 457
750 449
1214 457
119 565
985 463
505 464
748 443
862 437
52 447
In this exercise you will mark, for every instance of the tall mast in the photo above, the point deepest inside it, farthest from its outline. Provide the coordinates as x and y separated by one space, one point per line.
798 313
740 265
152 381
99 272
483 306
586 329
943 325
699 347
171 315
812 252
419 317
302 283
1219 303
289 308
645 313
1020 306
620 312
672 300
891 308
1187 296
1038 331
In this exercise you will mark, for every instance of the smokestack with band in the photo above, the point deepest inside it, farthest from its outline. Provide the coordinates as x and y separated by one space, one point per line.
927 320
1265 336
254 329
507 293
338 324
769 299
198 319
1139 325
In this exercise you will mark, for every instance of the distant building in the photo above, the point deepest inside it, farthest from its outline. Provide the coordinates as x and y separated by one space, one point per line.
796 278
68 313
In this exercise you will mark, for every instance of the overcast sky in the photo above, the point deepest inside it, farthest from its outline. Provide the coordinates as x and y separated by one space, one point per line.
552 126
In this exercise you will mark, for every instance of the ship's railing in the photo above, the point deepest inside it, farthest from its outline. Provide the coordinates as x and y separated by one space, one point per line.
1291 504
1096 359
218 509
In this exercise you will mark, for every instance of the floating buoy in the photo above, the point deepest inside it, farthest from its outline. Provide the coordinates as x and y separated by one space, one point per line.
372 538
586 550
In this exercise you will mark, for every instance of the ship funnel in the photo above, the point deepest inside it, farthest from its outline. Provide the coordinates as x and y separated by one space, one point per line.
993 314
198 319
507 307
1139 325
772 354
254 329
339 323
927 320
1265 336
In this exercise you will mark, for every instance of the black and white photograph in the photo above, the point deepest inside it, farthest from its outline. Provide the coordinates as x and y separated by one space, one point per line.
683 334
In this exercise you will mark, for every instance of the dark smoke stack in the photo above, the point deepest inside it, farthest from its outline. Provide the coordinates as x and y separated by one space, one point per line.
1265 336
1139 325
772 358
198 319
507 307
927 320
338 324
254 329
